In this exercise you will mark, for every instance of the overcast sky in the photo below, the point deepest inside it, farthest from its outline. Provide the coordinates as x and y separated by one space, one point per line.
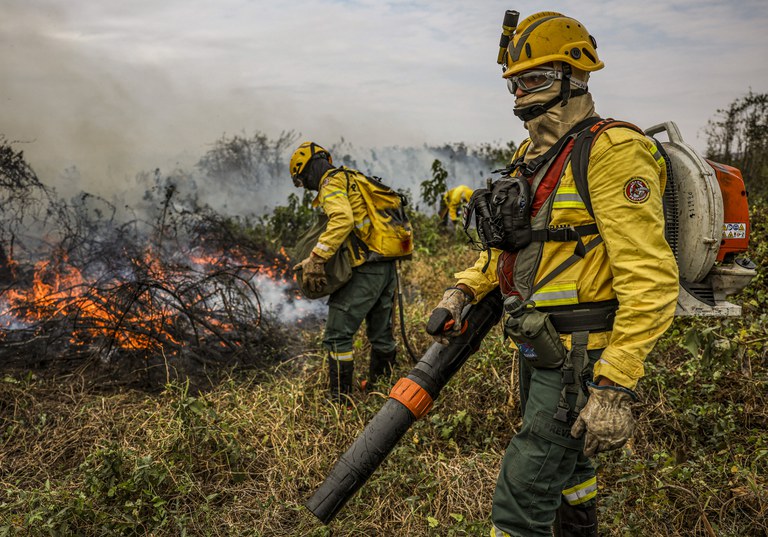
114 87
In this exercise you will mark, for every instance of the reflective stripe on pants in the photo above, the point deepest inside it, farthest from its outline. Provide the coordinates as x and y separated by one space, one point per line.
581 493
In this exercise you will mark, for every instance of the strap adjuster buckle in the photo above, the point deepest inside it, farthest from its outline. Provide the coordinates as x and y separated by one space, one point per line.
568 375
561 414
562 234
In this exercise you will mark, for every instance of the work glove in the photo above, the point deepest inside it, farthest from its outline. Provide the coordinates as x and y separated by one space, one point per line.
606 418
454 300
313 273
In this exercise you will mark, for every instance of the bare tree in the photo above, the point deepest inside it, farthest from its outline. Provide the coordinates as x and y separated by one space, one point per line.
241 160
738 136
22 197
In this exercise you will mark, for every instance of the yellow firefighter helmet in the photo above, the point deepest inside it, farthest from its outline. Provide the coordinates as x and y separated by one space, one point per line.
303 154
549 37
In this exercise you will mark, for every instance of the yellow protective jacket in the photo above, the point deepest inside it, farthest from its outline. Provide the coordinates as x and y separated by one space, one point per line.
345 210
634 264
366 214
454 198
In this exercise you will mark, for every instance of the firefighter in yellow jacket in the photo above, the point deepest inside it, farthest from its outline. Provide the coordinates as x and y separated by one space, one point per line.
369 294
453 203
599 289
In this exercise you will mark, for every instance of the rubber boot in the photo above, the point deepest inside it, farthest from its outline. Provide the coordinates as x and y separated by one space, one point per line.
340 379
576 521
381 364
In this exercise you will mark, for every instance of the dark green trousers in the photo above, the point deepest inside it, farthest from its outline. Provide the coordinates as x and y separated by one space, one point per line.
368 296
543 464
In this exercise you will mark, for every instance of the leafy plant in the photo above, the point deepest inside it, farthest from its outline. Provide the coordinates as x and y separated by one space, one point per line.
497 155
433 189
287 222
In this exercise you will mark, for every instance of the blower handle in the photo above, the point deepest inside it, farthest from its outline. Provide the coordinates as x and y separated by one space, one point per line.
441 321
670 127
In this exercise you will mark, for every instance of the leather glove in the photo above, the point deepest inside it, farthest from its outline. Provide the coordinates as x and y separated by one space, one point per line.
313 272
453 300
606 418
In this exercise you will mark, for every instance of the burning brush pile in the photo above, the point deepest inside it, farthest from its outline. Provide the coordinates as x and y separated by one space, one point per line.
86 285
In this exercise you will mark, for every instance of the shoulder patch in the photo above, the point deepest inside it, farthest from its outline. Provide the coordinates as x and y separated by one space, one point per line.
637 190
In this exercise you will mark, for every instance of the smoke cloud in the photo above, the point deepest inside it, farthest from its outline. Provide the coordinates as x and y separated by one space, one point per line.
99 92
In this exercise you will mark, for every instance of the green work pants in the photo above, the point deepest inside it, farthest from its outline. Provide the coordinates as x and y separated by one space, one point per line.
369 296
542 460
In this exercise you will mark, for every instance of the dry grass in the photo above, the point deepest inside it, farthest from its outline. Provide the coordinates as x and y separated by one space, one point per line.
242 458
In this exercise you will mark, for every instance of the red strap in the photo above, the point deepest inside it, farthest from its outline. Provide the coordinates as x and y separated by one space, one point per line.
505 269
506 265
549 182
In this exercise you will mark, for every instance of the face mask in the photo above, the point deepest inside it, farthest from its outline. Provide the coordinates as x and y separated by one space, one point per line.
546 129
313 172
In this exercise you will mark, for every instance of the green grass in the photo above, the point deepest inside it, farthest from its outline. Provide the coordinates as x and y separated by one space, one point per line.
243 457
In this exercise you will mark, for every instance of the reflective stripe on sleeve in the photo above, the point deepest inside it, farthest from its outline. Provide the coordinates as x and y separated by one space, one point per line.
365 223
556 294
658 156
582 492
335 193
323 247
567 197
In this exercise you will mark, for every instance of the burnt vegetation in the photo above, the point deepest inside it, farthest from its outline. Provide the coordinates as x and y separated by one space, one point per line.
142 301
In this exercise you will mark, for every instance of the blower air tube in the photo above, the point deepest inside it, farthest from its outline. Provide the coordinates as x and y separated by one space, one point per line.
410 399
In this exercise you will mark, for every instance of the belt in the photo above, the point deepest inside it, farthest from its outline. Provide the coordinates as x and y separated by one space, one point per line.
589 317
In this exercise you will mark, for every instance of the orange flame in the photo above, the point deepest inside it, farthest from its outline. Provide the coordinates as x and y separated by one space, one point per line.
60 291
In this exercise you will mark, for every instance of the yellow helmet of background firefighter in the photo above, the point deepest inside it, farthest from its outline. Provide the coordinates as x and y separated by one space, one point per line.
551 37
303 154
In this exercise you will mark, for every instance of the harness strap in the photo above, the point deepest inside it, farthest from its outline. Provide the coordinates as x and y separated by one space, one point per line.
572 372
593 317
358 246
563 234
579 342
580 253
581 150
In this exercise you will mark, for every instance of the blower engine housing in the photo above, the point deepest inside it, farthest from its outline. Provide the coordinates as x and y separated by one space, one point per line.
707 226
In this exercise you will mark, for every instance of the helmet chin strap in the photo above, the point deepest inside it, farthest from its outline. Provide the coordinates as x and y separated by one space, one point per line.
535 110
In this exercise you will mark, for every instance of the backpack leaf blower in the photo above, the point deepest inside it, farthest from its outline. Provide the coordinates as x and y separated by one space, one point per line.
707 214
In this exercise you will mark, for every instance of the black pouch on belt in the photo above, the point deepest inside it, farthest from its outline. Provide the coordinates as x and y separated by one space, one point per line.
529 327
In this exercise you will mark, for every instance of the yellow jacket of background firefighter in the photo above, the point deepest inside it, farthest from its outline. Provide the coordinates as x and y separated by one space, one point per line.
360 210
454 199
633 264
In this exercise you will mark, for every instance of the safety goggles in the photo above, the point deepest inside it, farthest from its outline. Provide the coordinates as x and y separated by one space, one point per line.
537 80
